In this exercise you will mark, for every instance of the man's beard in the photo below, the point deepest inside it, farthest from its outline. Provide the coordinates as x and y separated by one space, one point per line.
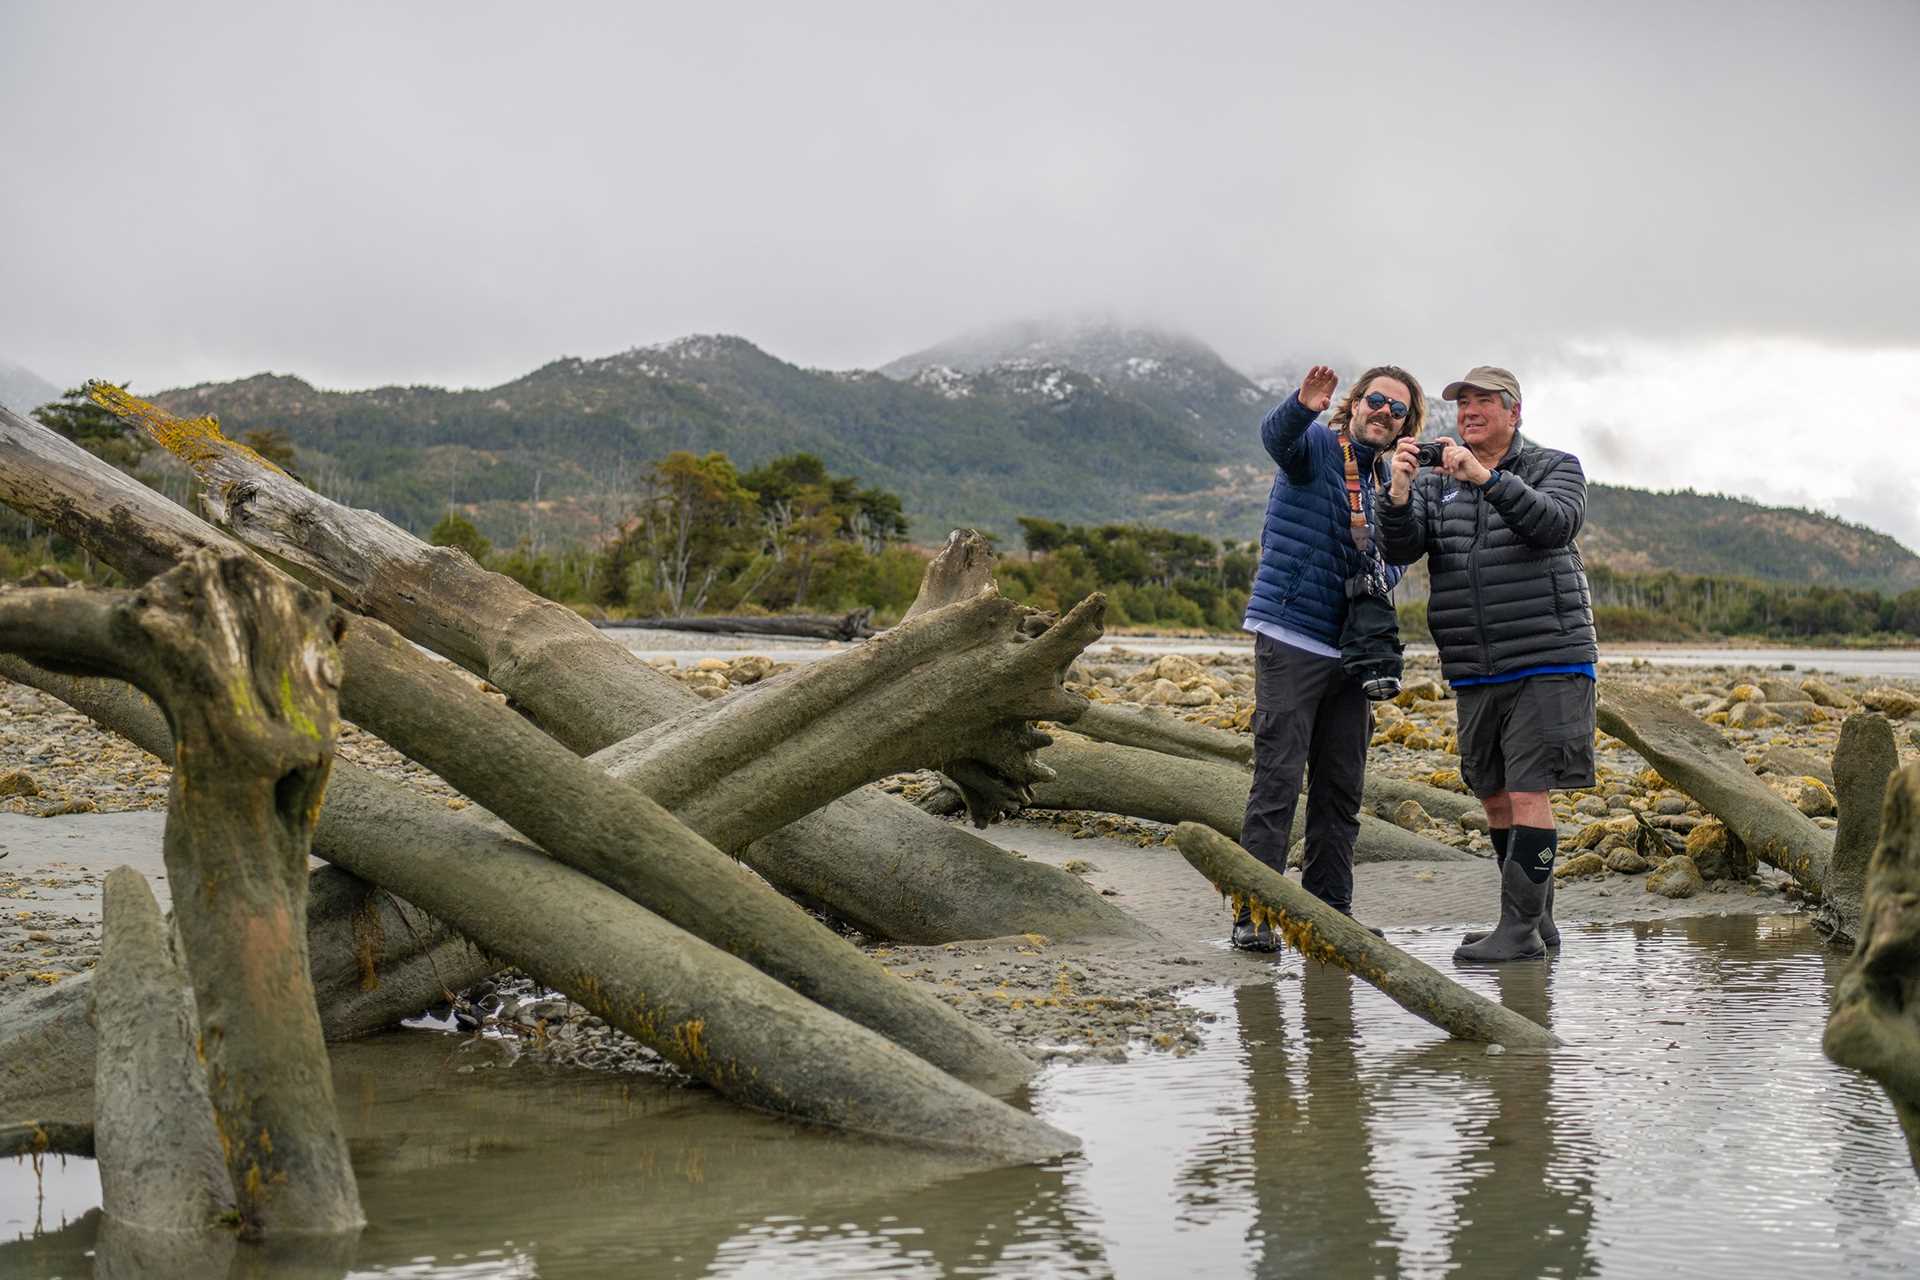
1365 435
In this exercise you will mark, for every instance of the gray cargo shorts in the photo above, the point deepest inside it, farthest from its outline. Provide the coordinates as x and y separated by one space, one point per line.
1533 734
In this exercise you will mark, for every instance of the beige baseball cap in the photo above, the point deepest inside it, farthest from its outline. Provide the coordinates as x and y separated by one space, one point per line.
1484 377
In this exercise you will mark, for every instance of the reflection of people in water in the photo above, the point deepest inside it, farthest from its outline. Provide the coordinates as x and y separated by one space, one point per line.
1314 1211
1524 1212
1317 1213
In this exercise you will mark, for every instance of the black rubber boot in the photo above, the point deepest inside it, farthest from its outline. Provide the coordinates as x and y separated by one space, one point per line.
1549 932
1517 936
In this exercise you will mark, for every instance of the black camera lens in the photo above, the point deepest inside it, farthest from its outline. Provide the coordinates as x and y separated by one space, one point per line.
1432 452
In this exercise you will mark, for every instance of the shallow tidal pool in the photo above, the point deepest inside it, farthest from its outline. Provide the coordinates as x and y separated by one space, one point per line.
1691 1126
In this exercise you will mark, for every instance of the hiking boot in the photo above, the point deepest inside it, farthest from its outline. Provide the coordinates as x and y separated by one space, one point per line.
1249 937
1517 936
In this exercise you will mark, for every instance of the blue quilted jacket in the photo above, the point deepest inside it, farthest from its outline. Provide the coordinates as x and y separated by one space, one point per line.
1306 553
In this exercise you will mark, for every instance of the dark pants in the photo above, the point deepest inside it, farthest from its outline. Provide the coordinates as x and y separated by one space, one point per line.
1306 712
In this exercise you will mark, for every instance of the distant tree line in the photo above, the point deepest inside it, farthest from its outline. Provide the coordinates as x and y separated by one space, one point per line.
1151 576
692 533
701 536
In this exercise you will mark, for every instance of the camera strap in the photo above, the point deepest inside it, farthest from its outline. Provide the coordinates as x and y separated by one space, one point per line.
1356 507
1371 579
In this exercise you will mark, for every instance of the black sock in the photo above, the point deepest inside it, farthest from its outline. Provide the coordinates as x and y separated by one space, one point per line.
1535 848
1500 835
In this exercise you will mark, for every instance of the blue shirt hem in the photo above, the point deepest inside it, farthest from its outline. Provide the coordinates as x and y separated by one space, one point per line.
1505 677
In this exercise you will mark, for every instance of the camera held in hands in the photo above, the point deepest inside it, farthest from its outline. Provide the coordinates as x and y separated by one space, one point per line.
1431 452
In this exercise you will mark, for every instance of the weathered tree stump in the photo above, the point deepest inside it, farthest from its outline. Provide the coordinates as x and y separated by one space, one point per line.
245 667
1321 933
1863 763
161 1167
1875 1023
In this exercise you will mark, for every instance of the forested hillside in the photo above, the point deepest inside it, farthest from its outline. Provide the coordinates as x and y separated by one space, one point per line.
1087 425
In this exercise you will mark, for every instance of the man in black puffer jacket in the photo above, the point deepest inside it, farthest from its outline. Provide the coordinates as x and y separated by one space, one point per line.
1513 618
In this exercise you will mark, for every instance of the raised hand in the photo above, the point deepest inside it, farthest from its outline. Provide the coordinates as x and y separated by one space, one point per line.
1316 389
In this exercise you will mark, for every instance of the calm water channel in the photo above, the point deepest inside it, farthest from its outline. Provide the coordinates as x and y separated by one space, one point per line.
1692 1127
687 647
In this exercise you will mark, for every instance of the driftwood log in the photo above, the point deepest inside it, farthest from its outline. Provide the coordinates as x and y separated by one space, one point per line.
243 662
1321 933
851 626
161 1167
567 806
560 802
1875 1023
720 1020
1154 730
35 1138
1161 788
867 858
1691 755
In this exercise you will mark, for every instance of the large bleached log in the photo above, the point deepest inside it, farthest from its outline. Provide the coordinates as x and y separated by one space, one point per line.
1321 933
623 839
244 664
951 689
1161 788
161 1168
1875 1023
586 690
722 1021
559 801
1691 755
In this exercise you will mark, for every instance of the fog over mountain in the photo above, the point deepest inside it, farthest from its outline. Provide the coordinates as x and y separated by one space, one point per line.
1688 227
21 390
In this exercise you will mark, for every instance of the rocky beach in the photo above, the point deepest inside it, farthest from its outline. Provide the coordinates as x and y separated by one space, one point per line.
1634 848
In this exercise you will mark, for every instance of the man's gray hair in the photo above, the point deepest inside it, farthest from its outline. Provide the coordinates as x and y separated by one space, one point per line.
1509 403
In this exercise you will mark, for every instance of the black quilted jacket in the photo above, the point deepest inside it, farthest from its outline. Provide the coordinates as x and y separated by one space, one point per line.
1509 590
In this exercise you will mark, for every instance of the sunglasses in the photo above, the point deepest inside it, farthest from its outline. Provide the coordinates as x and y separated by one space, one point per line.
1398 408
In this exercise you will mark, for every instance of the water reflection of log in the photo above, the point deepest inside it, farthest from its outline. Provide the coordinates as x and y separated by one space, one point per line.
1316 1209
563 1158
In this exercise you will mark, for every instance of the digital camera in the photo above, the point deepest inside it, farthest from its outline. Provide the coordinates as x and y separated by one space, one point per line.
1431 452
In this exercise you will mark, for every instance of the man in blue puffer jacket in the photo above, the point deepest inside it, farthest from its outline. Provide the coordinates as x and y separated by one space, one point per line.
1320 518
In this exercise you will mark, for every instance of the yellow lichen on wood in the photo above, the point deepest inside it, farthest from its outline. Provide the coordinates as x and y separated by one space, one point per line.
689 1038
290 709
192 440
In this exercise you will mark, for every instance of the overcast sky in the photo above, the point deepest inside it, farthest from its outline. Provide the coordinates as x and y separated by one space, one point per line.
1692 229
